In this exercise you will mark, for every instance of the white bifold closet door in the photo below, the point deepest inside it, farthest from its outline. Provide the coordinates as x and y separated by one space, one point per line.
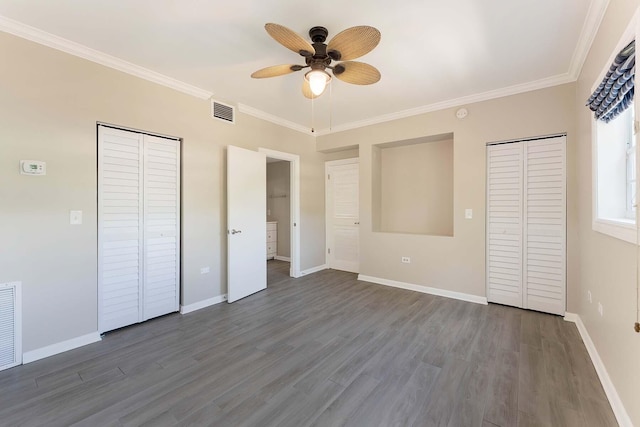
138 227
526 224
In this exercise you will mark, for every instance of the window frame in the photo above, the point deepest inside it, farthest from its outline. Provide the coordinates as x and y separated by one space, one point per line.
620 228
631 157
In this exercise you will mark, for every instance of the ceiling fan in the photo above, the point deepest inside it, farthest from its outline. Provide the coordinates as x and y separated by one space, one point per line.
349 44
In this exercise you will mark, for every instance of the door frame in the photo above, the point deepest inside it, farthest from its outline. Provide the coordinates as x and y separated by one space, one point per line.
327 165
294 190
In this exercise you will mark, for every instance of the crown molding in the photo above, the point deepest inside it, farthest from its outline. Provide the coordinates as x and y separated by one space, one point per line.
595 14
470 99
47 39
273 119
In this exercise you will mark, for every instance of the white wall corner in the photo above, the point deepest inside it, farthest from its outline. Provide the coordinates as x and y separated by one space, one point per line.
595 14
425 289
184 309
610 390
313 269
61 347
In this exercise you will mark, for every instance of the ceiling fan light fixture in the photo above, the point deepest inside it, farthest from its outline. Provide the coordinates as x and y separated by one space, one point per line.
318 80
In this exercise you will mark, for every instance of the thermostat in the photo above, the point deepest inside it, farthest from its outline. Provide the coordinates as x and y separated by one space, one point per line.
33 167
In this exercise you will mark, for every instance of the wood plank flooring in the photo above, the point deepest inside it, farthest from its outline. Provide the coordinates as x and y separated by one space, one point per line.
321 350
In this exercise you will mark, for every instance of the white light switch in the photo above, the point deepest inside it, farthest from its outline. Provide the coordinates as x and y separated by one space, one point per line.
468 213
75 217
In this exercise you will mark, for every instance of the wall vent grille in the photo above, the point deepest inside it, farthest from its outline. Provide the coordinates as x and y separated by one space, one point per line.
10 325
223 112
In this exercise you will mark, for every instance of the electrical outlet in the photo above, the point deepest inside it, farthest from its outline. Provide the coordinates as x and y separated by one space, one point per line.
589 296
205 270
406 260
600 310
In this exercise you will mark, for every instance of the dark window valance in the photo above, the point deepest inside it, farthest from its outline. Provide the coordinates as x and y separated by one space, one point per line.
615 92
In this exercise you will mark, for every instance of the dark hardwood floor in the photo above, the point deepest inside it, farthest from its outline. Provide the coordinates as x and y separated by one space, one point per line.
322 350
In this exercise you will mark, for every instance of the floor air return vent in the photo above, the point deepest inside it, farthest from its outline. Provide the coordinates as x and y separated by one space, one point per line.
10 327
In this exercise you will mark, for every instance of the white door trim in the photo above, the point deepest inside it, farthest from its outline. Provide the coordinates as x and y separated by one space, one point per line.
294 180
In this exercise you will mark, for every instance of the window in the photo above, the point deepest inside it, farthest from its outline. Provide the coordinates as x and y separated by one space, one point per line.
614 145
615 164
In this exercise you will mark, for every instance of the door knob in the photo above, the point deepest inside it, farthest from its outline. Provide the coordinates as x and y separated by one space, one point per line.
234 231
357 223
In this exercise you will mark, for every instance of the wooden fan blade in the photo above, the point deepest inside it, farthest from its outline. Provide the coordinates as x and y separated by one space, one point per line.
354 42
275 71
306 90
357 73
290 39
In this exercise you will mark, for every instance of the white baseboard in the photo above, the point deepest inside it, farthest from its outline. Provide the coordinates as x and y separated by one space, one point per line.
610 390
61 347
184 309
282 258
425 289
313 269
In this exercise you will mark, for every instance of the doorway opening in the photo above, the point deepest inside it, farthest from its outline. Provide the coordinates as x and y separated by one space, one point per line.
283 213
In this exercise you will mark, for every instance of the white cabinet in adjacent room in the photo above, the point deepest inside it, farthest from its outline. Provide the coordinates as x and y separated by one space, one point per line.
272 239
526 224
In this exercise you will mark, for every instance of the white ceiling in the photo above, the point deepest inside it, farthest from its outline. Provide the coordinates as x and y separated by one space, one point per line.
433 53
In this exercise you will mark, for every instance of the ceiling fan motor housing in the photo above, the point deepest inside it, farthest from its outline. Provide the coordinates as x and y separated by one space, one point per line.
318 34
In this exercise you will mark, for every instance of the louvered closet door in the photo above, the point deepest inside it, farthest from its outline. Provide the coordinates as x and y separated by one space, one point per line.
545 226
120 230
138 227
504 223
161 226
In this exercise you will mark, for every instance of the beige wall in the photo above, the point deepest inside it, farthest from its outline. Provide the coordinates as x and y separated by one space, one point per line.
608 265
279 203
458 263
49 105
416 193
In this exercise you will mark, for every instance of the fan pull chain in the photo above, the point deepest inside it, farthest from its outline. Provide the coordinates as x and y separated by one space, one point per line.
330 107
313 129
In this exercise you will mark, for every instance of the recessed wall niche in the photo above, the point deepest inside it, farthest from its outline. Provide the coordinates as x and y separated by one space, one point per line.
413 186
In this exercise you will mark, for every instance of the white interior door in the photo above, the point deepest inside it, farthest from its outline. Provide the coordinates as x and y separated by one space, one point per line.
343 215
526 224
246 219
120 228
138 227
545 226
161 226
505 169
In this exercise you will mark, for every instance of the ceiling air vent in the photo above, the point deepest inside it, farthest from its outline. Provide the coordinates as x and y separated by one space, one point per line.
222 111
